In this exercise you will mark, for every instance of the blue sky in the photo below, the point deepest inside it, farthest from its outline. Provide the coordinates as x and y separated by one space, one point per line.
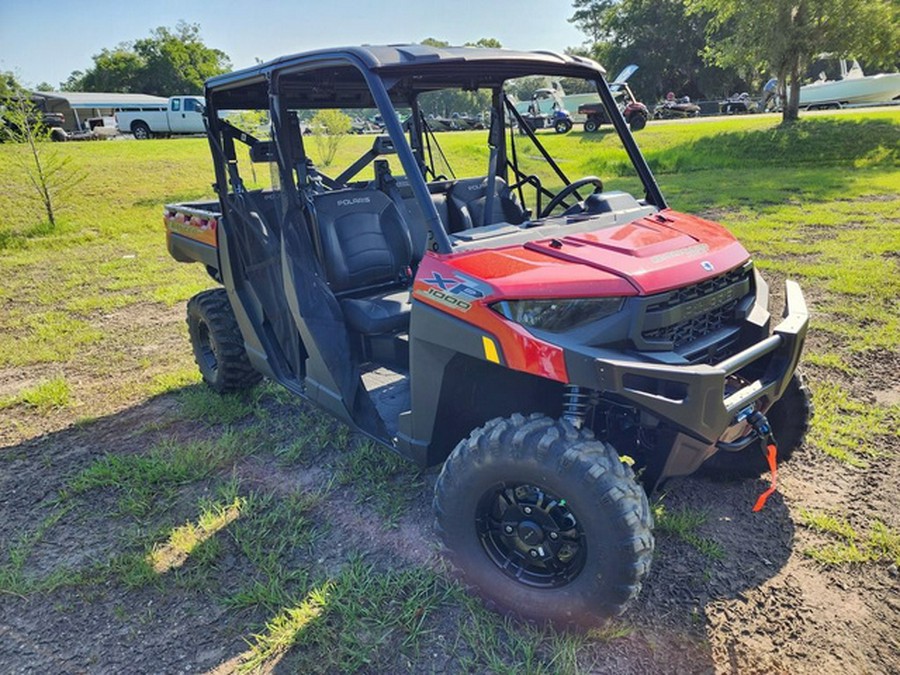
45 40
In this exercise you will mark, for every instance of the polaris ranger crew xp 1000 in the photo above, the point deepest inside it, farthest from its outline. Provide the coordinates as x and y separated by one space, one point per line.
546 329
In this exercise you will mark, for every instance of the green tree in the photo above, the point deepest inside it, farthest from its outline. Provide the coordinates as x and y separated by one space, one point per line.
488 43
47 176
662 37
434 42
330 128
73 82
170 61
8 84
784 36
118 69
178 61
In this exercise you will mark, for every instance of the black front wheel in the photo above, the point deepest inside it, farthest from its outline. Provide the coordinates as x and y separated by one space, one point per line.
140 131
562 126
544 521
637 121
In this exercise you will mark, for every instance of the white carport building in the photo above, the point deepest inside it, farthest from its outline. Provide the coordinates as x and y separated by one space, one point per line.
81 106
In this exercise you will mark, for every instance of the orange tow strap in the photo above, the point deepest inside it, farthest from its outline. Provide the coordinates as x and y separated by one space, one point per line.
771 458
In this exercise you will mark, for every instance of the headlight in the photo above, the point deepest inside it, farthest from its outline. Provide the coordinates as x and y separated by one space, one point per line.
557 316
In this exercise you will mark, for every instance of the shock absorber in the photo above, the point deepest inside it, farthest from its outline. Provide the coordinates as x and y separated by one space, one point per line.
576 402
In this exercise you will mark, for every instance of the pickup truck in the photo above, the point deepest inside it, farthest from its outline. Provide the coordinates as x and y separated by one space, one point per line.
182 115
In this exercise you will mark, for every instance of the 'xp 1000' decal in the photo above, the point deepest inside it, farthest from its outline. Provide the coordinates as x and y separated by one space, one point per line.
455 291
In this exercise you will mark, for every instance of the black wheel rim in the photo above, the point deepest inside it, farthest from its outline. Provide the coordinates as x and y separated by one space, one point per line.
206 352
531 535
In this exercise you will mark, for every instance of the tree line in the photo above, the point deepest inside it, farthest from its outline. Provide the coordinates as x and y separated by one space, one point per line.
169 61
699 48
709 48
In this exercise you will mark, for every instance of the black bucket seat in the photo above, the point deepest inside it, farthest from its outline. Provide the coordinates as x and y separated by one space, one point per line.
468 204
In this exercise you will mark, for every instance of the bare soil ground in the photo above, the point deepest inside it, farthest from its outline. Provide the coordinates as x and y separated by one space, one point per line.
764 607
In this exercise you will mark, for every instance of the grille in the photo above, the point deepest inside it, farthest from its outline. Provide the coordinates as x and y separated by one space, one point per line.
683 330
704 288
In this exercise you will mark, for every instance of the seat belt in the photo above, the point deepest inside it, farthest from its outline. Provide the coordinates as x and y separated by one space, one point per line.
387 184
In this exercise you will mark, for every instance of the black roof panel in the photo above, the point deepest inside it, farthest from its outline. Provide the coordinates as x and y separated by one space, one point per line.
422 59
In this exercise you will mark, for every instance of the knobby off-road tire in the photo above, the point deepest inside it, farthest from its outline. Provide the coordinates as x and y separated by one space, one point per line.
544 521
637 122
217 342
789 417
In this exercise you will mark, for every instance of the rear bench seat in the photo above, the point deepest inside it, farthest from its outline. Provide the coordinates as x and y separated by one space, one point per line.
367 253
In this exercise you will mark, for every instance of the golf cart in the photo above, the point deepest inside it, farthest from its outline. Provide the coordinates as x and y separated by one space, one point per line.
546 111
546 338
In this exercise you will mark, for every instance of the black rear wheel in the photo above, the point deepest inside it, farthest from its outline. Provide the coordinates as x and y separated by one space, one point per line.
544 521
591 125
218 344
789 417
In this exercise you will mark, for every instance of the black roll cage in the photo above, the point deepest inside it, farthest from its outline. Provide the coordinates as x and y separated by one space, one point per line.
416 154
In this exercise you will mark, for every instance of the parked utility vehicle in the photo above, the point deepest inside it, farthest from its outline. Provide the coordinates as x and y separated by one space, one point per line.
546 338
182 115
634 112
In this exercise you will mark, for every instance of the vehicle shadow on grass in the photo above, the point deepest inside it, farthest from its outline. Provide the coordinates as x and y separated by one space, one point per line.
79 594
731 551
712 553
151 540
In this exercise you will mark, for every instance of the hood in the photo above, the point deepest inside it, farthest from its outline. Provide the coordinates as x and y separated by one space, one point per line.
649 255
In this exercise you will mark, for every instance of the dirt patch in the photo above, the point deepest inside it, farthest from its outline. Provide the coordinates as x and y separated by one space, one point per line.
762 606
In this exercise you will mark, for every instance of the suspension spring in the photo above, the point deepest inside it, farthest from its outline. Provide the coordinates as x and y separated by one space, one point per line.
576 402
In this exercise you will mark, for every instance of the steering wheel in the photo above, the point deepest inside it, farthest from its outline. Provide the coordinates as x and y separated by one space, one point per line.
568 190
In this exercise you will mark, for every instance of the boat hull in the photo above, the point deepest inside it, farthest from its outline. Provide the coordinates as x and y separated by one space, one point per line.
871 89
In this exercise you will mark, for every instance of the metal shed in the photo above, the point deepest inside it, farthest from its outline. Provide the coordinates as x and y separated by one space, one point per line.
79 106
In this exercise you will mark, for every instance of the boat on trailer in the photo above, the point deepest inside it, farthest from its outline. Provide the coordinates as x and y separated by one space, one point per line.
854 88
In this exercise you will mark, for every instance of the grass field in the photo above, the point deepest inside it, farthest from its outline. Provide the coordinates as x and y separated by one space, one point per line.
305 542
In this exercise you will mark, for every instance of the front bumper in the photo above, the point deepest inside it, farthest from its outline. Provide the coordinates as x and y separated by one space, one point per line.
693 398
